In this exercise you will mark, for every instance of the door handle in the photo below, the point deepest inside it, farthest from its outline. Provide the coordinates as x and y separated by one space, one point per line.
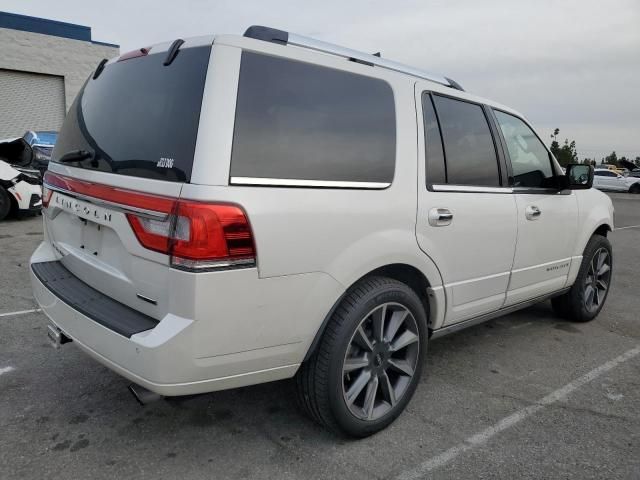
532 212
440 217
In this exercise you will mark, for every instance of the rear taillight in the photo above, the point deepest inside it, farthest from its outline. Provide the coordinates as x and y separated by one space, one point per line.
199 235
196 235
46 196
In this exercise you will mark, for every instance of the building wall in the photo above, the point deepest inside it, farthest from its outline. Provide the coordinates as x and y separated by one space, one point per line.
73 60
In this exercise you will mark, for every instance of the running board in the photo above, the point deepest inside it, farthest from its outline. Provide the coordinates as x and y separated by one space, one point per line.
441 332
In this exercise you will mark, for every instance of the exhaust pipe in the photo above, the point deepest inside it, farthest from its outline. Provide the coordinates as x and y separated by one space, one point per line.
56 336
142 395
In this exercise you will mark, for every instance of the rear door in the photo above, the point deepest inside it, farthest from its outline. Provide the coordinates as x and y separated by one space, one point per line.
122 156
466 219
547 217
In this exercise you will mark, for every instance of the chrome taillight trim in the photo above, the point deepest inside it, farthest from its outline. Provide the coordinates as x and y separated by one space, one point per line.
112 205
213 265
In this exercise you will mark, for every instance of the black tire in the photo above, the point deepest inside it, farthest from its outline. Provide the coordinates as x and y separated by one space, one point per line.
5 203
320 382
574 305
635 188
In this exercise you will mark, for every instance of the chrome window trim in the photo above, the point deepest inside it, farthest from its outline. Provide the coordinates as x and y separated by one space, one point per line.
112 205
470 189
292 182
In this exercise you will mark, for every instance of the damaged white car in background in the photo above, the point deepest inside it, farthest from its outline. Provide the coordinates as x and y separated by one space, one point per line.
20 191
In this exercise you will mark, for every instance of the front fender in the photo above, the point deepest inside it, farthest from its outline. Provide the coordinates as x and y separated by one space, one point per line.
595 209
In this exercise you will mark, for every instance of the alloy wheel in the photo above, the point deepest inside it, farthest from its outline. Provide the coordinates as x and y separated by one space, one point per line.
380 361
597 280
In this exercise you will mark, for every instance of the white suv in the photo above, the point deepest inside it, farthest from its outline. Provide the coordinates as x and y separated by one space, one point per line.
231 210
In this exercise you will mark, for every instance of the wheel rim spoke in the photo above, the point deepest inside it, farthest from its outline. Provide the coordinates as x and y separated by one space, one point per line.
378 318
357 386
604 269
370 397
589 293
602 256
388 392
407 338
362 339
396 320
357 363
401 366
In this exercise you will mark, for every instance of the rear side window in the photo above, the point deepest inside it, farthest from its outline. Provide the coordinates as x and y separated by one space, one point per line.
436 172
469 150
300 121
139 117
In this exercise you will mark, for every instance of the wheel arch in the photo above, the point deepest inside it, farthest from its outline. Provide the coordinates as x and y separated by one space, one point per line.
431 297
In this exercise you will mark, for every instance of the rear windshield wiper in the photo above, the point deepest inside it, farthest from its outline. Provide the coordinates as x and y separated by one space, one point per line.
75 156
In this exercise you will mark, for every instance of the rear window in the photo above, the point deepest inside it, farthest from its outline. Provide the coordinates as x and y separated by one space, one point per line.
139 117
299 121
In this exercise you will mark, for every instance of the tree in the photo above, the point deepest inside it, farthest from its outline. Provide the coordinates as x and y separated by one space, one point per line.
611 159
637 161
566 153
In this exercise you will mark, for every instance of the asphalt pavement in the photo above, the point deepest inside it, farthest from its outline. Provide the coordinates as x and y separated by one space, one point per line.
523 396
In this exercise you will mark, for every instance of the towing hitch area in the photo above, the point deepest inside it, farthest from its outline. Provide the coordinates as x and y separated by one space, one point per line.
142 395
56 336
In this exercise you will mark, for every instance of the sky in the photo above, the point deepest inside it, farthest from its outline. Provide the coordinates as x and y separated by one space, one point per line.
571 64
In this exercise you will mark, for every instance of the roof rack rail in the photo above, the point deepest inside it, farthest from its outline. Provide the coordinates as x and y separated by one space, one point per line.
274 35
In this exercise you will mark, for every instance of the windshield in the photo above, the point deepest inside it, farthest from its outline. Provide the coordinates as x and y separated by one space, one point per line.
139 117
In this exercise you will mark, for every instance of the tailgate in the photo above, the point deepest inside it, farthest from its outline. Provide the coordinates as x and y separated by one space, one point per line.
96 243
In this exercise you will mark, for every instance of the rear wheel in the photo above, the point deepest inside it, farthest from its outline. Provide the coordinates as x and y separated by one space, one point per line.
5 203
587 295
635 188
369 360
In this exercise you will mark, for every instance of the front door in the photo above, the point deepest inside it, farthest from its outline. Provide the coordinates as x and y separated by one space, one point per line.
547 217
466 217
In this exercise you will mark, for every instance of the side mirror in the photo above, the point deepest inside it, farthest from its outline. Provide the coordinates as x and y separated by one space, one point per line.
579 176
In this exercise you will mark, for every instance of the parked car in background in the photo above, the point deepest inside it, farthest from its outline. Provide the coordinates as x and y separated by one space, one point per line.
293 208
634 170
20 192
606 166
41 143
605 179
30 153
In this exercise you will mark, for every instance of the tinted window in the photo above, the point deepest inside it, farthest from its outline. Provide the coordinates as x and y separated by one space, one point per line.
296 120
468 145
530 160
139 116
435 172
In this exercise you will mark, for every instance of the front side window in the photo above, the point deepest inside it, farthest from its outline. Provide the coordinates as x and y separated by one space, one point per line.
530 160
300 121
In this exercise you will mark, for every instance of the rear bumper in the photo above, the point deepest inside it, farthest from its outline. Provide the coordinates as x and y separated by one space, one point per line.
169 358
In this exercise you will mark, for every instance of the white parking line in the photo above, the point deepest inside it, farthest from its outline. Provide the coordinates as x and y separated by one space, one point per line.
19 312
624 228
6 370
485 435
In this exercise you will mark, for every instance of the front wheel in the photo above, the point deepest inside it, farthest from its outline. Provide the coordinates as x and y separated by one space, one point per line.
635 188
368 363
587 295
